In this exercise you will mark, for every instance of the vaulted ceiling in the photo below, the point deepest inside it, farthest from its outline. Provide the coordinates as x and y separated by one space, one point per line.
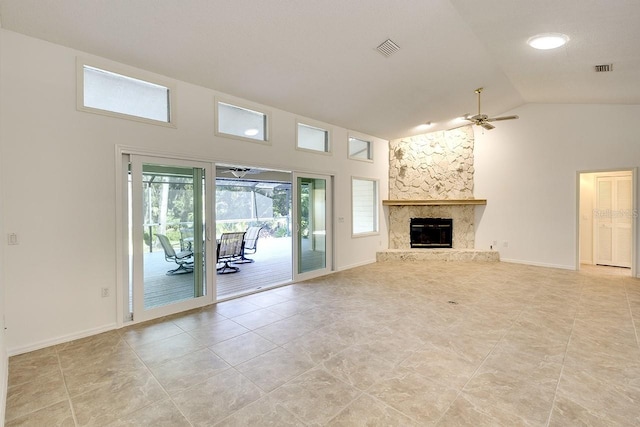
319 58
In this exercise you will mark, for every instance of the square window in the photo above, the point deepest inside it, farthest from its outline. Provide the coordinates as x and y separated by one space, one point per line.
312 138
364 206
241 122
107 92
360 149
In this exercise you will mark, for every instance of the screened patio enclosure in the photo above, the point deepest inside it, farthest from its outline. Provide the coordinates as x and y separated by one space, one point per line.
239 204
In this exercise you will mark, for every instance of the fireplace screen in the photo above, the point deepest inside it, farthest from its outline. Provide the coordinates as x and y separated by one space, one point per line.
431 232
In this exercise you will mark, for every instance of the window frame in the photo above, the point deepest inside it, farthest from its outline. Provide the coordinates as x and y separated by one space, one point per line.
129 73
376 207
244 106
362 138
315 125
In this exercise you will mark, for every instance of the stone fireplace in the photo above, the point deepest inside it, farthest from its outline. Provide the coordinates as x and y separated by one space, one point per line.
431 176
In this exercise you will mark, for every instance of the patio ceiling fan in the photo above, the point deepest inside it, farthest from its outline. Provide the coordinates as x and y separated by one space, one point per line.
482 119
239 172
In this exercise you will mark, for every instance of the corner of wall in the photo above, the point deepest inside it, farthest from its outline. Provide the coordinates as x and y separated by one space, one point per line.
4 360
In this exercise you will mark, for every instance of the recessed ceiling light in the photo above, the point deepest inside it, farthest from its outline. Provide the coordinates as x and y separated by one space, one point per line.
251 132
548 41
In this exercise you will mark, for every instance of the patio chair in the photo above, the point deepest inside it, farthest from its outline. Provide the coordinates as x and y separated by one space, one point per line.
186 239
250 242
184 259
229 249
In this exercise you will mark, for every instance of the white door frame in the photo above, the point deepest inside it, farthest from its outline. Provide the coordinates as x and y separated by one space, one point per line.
329 267
634 221
122 236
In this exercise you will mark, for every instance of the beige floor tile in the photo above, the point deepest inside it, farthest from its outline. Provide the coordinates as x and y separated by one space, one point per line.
263 412
31 366
315 397
58 414
257 319
464 413
196 319
148 332
358 367
274 368
160 414
215 399
524 345
34 395
116 363
318 346
244 347
414 395
218 332
180 373
164 350
367 411
235 307
265 299
106 404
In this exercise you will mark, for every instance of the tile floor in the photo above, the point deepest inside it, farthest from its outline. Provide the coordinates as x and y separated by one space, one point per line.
388 344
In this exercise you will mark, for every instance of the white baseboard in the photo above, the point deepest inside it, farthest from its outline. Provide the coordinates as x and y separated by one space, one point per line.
358 264
62 339
539 264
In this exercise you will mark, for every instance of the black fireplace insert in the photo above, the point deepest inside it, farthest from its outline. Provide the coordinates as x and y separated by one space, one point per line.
431 232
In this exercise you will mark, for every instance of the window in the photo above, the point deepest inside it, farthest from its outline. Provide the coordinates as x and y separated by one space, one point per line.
364 206
312 138
107 92
360 149
241 122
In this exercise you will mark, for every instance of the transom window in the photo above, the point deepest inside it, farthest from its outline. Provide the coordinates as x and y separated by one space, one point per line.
241 122
364 206
312 138
360 149
107 92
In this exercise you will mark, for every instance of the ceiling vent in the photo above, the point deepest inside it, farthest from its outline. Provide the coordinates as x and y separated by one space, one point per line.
388 48
604 68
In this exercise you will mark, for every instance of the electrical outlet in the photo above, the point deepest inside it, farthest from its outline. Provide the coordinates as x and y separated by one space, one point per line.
105 292
505 244
12 239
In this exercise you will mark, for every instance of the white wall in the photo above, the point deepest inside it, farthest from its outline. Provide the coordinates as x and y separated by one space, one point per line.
527 171
58 169
3 346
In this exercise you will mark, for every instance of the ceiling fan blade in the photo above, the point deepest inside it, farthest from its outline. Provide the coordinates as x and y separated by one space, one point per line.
497 119
487 126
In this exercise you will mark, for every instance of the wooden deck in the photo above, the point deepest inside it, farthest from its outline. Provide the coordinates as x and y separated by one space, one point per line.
272 266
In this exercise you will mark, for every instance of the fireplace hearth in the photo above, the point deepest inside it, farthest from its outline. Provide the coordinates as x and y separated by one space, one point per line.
431 232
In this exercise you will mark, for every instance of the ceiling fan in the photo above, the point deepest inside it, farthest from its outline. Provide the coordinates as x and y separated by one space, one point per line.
484 120
239 172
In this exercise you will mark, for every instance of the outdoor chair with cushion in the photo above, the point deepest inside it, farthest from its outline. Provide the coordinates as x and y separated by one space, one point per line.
250 243
229 249
184 259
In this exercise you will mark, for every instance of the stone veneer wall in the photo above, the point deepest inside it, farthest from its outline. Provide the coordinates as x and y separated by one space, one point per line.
436 165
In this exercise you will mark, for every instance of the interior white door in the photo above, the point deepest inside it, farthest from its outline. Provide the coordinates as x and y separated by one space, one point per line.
169 241
613 220
313 235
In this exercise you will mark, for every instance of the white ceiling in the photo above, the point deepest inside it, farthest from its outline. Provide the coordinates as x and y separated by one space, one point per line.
318 58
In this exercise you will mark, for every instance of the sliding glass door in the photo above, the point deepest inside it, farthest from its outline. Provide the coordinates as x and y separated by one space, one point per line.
169 238
312 231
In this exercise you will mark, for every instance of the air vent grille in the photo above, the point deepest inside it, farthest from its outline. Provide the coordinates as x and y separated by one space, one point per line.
388 48
603 68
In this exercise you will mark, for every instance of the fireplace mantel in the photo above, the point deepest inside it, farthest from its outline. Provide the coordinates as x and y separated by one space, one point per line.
433 202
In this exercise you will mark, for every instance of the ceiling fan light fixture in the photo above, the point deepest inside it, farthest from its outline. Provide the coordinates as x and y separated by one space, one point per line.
548 41
239 172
